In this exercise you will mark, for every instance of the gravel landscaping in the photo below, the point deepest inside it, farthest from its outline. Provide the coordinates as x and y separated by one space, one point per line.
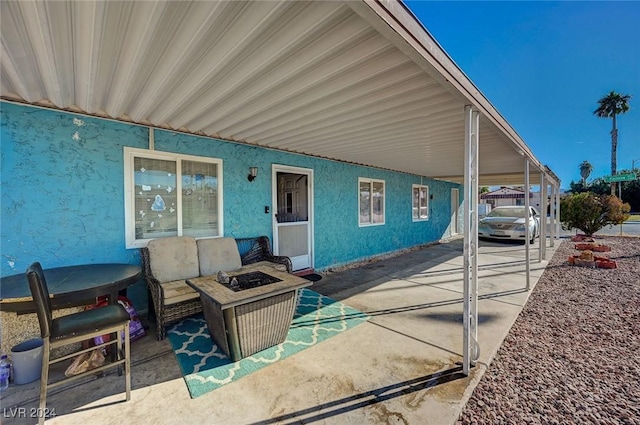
573 354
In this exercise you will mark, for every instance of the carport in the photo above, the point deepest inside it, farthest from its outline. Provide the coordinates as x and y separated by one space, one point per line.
355 81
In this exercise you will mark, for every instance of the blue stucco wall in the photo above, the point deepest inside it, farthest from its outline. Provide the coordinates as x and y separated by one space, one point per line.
62 190
63 193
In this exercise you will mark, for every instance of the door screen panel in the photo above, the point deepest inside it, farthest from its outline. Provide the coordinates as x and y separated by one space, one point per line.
292 240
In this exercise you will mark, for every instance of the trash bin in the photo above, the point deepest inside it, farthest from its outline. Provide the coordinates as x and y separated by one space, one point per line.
27 361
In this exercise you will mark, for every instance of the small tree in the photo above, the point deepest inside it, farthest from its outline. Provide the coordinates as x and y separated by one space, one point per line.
590 212
597 186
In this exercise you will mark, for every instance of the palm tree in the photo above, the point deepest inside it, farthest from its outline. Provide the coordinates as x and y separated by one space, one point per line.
585 170
612 105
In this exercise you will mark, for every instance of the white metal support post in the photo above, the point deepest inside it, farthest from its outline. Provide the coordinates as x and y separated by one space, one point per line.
545 227
543 218
552 215
527 254
540 229
471 349
558 212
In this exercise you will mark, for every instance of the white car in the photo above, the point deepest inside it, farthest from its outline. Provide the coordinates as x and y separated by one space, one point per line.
508 223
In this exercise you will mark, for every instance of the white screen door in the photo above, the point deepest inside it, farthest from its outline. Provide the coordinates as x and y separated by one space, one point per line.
292 218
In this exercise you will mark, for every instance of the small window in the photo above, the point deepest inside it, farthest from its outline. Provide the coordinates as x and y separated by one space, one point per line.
371 202
420 202
171 195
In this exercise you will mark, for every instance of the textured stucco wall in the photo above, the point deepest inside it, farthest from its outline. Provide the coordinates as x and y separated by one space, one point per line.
63 196
62 190
338 238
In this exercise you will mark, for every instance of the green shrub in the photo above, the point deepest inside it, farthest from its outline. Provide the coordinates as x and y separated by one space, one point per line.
590 212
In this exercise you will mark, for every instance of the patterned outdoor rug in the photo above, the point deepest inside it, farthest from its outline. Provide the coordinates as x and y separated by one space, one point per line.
205 368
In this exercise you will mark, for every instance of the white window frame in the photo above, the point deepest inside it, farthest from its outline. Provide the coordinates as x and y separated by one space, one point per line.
384 201
129 196
419 187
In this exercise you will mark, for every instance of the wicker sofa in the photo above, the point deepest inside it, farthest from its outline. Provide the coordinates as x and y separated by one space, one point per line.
168 262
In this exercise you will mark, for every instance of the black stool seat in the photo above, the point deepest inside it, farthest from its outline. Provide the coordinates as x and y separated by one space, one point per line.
88 322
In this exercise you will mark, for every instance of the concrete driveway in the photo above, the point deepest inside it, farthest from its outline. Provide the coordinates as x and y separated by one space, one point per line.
400 367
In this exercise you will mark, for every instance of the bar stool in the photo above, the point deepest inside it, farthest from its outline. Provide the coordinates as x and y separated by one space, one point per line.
74 328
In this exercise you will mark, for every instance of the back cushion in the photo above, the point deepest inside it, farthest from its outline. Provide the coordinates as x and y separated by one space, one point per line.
218 254
173 258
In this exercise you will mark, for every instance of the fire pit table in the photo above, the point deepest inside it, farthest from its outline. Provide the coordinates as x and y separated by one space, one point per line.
253 314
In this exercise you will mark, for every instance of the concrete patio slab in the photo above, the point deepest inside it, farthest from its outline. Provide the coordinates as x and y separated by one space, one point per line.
402 366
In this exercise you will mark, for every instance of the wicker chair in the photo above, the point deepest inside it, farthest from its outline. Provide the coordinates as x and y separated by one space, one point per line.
257 249
173 300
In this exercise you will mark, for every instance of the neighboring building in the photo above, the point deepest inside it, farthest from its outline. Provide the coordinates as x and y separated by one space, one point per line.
507 196
510 196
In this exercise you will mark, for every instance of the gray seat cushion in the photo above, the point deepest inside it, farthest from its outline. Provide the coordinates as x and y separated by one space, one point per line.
173 258
218 254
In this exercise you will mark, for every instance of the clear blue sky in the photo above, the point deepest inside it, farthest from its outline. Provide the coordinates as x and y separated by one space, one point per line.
544 65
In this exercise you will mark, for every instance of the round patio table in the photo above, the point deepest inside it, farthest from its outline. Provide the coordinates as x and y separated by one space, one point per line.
69 286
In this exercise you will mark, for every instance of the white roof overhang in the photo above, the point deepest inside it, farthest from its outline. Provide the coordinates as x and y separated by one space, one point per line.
355 81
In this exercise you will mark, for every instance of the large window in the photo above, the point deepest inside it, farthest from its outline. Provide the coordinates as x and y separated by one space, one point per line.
171 195
420 202
371 203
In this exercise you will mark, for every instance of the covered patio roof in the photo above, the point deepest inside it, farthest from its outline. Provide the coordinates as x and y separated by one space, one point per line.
356 81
